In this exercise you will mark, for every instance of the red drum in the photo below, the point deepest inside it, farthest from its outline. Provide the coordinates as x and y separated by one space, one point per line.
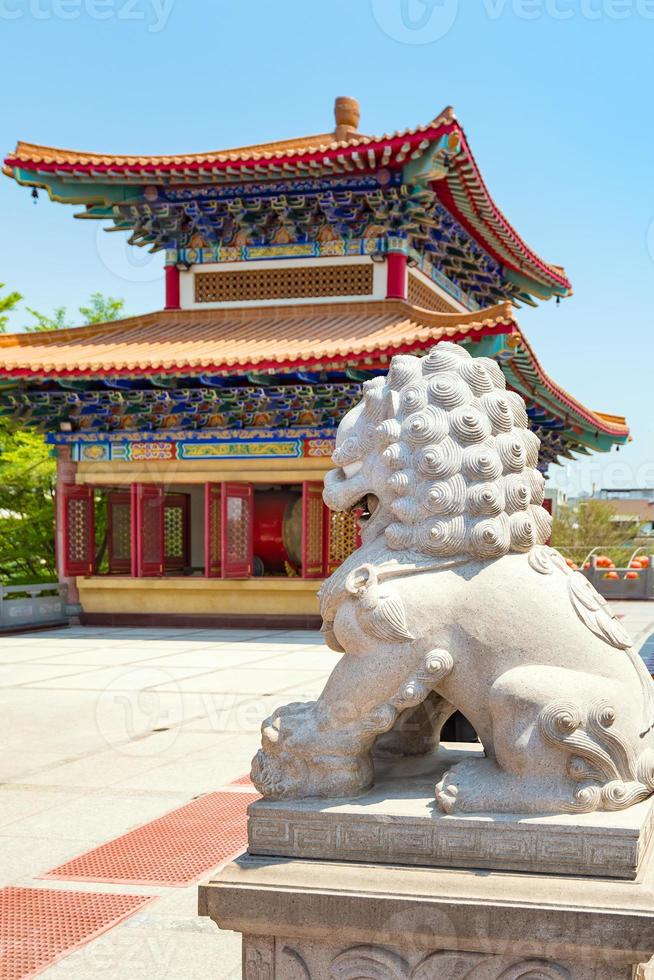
277 533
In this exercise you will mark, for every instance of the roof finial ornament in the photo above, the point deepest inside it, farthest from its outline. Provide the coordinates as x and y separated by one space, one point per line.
346 113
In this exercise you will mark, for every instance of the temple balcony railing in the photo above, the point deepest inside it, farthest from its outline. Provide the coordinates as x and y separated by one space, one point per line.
42 604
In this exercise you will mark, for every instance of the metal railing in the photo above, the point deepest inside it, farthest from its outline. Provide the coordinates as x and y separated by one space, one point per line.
32 605
622 583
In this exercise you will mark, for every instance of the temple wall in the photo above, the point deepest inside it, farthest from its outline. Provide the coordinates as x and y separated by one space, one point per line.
199 596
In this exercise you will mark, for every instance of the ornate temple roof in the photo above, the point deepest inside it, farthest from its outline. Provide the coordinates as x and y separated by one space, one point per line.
435 157
525 374
199 369
260 338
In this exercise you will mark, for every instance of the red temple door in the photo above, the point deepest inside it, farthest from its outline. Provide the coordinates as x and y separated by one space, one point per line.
176 531
212 529
78 529
149 527
313 531
119 532
237 506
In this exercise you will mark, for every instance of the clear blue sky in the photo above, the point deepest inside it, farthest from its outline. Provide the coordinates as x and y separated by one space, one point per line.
555 96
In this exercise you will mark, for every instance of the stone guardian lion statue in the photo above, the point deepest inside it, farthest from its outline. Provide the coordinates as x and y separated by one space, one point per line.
454 601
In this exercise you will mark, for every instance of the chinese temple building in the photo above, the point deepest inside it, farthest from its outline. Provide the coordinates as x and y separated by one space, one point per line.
191 442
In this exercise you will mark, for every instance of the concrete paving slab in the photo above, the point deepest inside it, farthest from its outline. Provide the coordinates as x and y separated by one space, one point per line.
173 952
255 680
127 677
23 858
16 675
20 802
95 816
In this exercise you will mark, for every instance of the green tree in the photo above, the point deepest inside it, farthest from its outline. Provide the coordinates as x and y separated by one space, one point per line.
7 303
100 309
27 481
591 524
55 322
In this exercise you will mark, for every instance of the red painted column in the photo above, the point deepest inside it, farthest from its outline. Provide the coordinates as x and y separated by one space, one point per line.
396 275
66 470
172 288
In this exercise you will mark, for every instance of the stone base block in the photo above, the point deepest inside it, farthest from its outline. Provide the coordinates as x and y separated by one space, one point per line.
311 920
398 822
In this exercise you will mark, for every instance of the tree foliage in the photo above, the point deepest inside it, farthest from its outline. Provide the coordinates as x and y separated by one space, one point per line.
27 468
57 321
100 309
27 481
591 524
7 304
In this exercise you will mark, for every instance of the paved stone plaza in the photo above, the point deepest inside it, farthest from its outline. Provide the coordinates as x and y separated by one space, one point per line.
81 765
105 729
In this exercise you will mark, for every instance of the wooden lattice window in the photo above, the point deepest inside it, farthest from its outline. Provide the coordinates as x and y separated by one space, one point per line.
176 531
301 282
420 294
344 538
212 529
313 531
237 502
149 527
78 530
119 532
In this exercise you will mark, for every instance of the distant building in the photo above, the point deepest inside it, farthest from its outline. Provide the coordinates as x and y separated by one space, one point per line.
555 498
626 493
632 505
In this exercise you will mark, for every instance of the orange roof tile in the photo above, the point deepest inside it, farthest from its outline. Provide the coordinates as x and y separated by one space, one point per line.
259 339
319 143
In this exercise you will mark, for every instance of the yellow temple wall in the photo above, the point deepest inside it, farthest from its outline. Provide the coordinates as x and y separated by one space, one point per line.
199 596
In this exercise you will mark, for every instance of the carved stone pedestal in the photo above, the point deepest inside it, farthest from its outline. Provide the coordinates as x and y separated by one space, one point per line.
353 891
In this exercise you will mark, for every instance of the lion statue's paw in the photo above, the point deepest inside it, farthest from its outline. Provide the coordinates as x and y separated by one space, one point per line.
300 758
480 785
466 786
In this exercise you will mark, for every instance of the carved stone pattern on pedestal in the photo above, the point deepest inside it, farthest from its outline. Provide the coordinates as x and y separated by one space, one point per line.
367 962
258 958
397 840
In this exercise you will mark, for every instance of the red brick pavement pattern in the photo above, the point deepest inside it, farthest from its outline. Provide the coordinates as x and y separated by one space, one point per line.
172 851
39 926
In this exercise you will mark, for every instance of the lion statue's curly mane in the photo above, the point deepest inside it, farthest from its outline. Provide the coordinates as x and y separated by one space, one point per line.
461 464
